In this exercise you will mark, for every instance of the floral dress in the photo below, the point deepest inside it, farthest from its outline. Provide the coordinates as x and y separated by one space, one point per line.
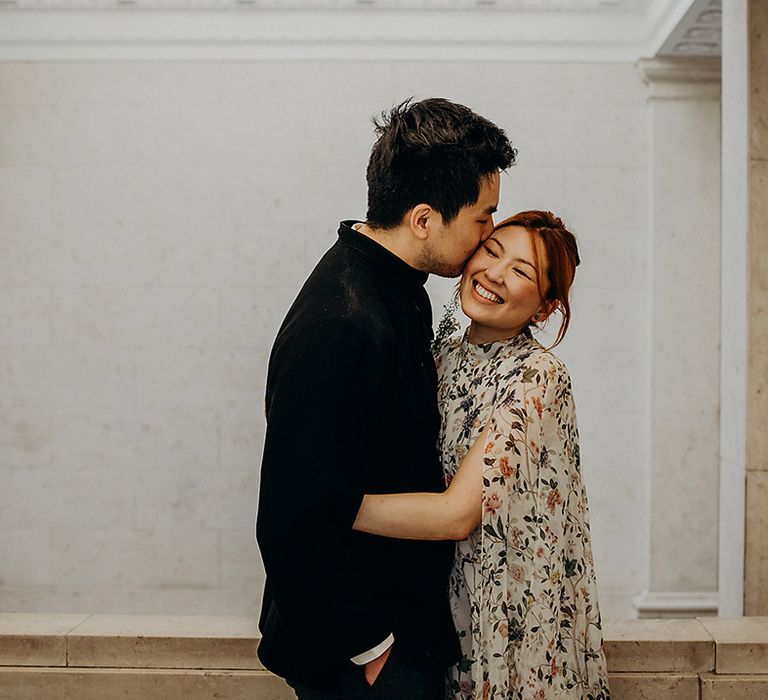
522 589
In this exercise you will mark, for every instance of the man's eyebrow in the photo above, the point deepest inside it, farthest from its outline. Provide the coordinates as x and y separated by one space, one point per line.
491 210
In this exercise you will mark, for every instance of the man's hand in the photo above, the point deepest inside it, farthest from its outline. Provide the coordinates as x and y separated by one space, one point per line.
373 668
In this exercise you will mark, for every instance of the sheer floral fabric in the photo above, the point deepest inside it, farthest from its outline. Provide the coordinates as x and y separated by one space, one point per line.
523 586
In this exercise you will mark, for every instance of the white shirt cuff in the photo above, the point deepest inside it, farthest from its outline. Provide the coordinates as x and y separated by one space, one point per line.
375 653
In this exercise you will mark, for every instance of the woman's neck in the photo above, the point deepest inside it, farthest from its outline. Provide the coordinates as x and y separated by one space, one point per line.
481 335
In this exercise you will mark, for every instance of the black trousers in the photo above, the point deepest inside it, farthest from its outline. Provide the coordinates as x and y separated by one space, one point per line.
402 678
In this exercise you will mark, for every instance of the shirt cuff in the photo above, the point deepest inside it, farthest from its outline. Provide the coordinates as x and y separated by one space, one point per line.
375 653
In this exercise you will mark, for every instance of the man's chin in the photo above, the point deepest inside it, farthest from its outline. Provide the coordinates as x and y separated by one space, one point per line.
447 270
442 268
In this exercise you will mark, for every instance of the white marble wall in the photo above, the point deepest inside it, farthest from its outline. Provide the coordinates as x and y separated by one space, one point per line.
156 220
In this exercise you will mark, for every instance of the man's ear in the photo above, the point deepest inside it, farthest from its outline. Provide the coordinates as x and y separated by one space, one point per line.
420 219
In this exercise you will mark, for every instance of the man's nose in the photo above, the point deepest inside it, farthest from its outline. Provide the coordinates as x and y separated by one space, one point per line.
487 231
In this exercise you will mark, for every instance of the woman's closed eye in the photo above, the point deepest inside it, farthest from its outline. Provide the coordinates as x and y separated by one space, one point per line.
490 252
522 272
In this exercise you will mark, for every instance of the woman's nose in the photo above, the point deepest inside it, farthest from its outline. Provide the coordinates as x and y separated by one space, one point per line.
495 273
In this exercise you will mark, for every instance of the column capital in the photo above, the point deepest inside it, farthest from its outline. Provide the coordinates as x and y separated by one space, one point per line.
682 78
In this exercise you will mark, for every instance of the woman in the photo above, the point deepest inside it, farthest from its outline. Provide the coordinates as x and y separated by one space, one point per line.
523 586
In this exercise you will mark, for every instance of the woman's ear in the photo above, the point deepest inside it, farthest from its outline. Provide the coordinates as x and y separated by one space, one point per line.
545 311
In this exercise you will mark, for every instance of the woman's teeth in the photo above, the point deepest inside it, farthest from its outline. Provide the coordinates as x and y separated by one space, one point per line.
487 294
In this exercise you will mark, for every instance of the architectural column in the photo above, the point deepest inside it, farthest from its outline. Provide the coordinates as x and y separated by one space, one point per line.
756 521
744 453
733 353
684 113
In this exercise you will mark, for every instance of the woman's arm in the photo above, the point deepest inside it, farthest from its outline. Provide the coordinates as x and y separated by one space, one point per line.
451 515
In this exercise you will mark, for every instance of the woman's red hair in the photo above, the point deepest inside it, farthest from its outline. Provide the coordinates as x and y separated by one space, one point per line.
562 254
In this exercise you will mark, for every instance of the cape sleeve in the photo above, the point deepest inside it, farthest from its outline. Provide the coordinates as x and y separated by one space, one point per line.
539 613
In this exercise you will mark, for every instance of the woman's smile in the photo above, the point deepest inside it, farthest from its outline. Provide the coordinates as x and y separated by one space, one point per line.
485 295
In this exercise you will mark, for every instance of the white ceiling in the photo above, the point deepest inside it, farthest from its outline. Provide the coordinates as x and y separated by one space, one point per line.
520 30
698 33
637 7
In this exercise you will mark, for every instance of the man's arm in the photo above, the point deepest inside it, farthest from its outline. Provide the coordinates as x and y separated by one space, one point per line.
323 413
450 515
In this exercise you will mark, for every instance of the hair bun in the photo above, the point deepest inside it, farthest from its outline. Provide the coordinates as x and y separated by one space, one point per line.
555 221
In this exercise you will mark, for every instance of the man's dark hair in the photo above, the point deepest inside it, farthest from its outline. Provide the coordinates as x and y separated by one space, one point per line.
435 152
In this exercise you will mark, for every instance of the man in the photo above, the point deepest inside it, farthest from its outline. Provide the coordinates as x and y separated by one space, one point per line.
352 409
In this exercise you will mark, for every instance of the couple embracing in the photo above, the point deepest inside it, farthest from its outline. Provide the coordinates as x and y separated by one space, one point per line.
422 517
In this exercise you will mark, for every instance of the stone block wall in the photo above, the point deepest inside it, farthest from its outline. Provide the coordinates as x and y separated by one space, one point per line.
156 221
52 657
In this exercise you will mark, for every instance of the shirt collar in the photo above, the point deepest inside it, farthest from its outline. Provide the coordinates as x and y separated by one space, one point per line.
383 259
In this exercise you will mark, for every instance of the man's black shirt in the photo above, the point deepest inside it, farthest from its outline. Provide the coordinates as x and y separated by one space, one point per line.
351 409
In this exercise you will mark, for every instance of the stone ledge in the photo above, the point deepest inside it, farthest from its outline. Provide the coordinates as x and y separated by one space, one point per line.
129 641
741 643
29 683
189 657
652 686
734 687
175 641
665 646
159 641
35 640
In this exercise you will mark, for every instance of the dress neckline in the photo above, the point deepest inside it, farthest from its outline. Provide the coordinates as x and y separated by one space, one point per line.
487 351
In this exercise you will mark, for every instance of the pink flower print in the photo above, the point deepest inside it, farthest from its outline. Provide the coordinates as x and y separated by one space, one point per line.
517 572
553 500
504 630
504 467
492 503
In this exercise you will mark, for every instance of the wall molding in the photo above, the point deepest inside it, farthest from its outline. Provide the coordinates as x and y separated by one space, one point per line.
696 78
651 604
196 30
